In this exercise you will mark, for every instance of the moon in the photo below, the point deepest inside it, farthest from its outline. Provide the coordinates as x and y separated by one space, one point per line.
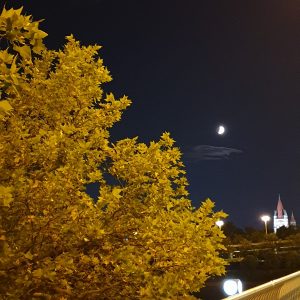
221 130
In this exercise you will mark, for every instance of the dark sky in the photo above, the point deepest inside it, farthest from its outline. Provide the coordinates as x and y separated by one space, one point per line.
191 65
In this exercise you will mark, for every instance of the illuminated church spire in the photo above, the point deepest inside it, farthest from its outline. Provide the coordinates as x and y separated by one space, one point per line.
280 216
293 220
279 208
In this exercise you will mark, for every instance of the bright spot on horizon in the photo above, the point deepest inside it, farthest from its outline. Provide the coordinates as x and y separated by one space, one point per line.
221 130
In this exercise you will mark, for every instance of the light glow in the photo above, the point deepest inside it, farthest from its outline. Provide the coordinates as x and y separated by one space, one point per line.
221 130
265 218
220 223
232 287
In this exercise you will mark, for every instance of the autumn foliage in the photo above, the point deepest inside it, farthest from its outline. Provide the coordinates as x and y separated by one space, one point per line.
141 238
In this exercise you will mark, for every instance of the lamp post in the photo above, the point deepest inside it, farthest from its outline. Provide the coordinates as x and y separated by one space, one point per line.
220 223
266 219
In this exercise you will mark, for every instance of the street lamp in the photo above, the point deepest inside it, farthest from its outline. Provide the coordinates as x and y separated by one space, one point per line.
220 223
232 287
266 219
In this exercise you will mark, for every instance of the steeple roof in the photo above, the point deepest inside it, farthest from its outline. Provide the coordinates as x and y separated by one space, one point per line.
293 220
279 208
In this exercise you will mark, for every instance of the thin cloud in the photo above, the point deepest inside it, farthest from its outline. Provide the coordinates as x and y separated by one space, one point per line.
207 152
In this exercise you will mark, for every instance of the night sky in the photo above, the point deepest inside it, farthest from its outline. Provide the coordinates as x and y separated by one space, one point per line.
189 66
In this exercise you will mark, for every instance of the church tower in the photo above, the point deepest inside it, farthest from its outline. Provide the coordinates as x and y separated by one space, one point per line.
293 221
280 216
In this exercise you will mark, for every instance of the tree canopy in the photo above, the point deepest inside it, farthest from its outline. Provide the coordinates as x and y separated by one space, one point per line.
141 238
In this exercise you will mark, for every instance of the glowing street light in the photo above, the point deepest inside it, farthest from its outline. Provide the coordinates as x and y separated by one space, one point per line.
266 219
220 223
232 287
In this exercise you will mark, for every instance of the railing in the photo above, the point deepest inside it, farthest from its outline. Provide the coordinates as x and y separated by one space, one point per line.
284 288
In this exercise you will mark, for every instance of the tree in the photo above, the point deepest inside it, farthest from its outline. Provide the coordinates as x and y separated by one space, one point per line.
284 232
141 238
233 233
295 238
254 235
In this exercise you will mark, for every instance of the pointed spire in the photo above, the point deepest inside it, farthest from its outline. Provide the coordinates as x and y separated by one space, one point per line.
279 208
293 220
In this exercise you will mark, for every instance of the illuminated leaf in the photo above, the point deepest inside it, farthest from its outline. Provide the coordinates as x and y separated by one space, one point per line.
74 214
28 255
37 273
5 107
116 192
24 51
5 196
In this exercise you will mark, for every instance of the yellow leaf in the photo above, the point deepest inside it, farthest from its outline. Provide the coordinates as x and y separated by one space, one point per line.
95 261
5 107
37 273
40 34
185 249
6 57
6 195
28 255
74 214
24 51
7 200
116 192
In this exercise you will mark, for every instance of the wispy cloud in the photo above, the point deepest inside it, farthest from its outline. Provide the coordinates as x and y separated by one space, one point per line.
207 152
